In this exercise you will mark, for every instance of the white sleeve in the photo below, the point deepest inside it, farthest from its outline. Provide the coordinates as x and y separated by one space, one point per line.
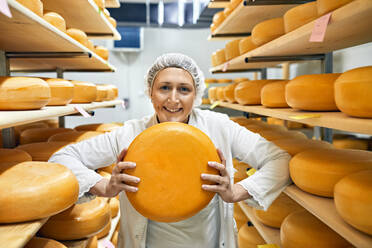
270 161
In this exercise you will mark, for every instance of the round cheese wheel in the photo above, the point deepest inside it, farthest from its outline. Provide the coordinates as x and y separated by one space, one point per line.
220 93
23 93
218 18
239 216
312 92
100 3
114 207
213 27
302 229
353 200
78 35
353 92
61 91
249 92
79 221
351 143
93 242
73 136
220 56
114 239
102 52
29 186
40 134
212 94
19 129
232 49
105 231
272 135
325 6
13 155
112 21
241 172
214 60
84 92
295 145
56 20
278 211
317 171
229 93
42 151
224 80
273 95
267 31
239 80
210 80
246 45
113 92
37 242
248 237
102 92
98 127
179 168
35 6
299 16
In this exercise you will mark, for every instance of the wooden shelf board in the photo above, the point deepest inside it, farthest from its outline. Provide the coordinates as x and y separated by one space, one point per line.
17 235
324 209
334 120
14 118
112 4
114 223
218 4
84 15
238 63
269 234
211 38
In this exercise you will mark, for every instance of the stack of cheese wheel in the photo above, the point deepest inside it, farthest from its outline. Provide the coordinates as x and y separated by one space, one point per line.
35 6
93 242
350 143
212 94
317 171
302 229
278 211
79 221
37 242
267 31
42 151
78 35
325 6
102 52
56 20
312 92
84 92
246 44
353 92
220 57
224 80
295 145
353 200
61 91
249 92
241 170
74 136
23 93
220 93
229 93
272 135
273 95
35 135
232 49
98 127
299 16
27 188
248 237
13 155
239 216
114 207
102 93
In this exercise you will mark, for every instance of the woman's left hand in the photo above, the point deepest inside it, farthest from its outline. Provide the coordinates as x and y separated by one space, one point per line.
223 186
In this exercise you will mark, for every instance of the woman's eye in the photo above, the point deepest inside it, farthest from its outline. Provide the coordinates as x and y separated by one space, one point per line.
184 89
164 87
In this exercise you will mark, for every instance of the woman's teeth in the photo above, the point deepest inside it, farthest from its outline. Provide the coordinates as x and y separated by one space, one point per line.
173 110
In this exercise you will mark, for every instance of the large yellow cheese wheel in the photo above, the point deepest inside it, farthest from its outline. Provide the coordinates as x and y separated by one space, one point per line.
248 237
78 35
61 91
272 135
93 242
13 155
278 211
273 95
212 94
299 16
74 136
102 52
353 92
79 221
312 92
100 3
317 171
114 207
56 20
178 167
98 127
220 93
40 134
302 229
19 129
220 56
241 170
112 21
23 93
218 18
229 93
27 188
102 92
325 6
267 31
105 231
37 242
42 151
353 200
232 49
249 92
246 45
35 6
239 216
350 143
295 145
84 92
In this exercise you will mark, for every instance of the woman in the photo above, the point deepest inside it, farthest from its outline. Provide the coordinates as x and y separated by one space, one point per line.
175 85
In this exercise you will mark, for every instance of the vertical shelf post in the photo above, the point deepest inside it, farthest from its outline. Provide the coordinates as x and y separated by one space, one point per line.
61 119
327 67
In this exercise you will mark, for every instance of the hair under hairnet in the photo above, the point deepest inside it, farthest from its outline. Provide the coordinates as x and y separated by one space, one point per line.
177 60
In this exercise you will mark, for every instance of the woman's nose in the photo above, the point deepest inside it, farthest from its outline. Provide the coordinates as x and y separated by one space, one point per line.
173 96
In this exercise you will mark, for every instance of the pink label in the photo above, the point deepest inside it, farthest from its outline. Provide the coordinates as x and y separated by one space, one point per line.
320 28
82 111
4 8
225 66
107 244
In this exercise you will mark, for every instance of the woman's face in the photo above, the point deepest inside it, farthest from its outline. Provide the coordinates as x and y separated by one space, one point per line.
173 94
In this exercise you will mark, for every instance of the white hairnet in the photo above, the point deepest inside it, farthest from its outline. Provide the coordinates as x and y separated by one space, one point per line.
177 60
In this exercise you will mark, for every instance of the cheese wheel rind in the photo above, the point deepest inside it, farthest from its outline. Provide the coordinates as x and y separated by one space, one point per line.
42 151
97 127
56 20
61 91
267 31
35 6
248 237
273 95
232 49
13 155
84 92
299 16
246 45
37 242
35 135
249 92
325 6
74 136
78 35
